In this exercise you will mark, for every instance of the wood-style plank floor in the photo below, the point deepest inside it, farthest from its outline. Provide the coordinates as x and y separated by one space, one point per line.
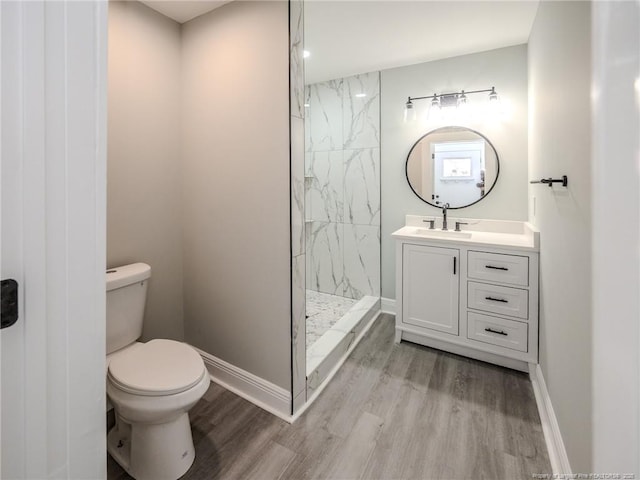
392 412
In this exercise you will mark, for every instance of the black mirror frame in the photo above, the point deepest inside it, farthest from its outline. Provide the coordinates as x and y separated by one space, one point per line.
406 166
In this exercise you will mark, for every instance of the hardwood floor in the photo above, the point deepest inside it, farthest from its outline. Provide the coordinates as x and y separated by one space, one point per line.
392 412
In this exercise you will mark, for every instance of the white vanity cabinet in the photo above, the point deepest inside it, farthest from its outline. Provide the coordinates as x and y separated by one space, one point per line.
432 288
469 295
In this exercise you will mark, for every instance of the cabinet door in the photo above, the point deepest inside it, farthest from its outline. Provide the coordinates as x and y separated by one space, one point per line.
430 287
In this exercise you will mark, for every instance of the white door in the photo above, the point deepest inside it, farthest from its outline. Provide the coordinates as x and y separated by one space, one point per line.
52 176
430 287
458 169
14 230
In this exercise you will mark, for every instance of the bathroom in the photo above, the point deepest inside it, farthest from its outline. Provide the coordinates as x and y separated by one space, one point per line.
206 183
210 183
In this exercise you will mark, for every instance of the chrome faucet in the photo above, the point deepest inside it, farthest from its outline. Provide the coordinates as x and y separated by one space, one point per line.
444 216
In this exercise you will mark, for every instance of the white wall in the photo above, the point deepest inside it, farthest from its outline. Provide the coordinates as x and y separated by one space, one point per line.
144 221
236 208
506 69
616 236
559 144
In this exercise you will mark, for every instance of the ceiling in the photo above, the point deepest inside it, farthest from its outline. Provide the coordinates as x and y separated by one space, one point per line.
349 37
356 36
183 10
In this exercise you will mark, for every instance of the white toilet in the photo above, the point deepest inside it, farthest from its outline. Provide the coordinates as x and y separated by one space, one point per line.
152 385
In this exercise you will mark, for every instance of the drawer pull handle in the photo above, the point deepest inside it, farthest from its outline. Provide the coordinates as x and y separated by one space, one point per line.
496 268
499 332
502 300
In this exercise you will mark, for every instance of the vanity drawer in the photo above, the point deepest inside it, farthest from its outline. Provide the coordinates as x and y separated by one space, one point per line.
496 267
493 298
497 331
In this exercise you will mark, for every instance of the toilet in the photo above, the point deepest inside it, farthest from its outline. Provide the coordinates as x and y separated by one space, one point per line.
152 386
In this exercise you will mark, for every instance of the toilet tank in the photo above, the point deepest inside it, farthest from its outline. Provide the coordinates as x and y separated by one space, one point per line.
126 296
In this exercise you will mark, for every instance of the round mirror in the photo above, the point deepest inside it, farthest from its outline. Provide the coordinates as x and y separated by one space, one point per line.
454 165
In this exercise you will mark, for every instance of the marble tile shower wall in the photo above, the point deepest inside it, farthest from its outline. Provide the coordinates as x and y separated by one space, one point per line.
298 261
342 186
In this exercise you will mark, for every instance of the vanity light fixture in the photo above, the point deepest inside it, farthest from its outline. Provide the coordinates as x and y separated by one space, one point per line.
435 101
462 103
361 95
444 100
409 111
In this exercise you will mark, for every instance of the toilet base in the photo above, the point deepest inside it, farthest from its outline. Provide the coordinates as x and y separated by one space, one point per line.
152 451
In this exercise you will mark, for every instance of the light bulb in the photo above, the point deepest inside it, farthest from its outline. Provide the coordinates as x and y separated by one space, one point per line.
435 102
409 111
435 112
495 110
462 99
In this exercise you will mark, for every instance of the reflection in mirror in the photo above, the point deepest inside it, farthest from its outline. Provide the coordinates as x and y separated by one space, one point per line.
454 165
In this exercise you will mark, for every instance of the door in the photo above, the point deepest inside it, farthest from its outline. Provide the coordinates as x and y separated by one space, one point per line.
458 172
52 239
430 287
12 339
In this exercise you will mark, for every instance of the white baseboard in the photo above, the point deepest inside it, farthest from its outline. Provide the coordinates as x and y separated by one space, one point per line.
388 305
260 392
557 453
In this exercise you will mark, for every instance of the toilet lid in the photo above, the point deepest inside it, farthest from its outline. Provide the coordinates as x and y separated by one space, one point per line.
158 367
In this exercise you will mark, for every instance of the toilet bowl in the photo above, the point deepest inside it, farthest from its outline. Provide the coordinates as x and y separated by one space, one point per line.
152 386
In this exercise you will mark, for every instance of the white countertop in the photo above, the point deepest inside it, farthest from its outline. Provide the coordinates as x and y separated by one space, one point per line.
492 233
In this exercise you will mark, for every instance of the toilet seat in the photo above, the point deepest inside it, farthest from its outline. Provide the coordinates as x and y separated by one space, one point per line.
156 368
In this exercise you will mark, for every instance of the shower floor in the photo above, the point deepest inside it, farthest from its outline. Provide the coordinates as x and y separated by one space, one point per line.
323 311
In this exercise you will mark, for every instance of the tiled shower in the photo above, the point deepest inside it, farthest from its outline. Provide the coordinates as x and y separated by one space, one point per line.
342 186
342 200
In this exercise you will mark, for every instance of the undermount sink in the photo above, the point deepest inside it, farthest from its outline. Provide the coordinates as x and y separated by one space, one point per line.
502 233
427 232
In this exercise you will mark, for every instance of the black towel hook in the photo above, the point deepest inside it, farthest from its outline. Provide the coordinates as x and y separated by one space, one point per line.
550 181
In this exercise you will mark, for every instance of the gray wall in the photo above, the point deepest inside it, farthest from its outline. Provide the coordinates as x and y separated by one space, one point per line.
560 144
144 188
236 187
506 69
